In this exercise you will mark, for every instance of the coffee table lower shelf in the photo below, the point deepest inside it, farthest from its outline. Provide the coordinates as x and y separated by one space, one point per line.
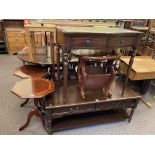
86 119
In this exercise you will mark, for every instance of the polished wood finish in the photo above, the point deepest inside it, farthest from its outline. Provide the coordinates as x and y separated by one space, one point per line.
91 96
62 114
143 67
27 71
100 76
87 37
36 87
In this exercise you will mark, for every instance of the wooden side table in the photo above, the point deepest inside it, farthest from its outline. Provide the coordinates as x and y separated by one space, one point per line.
28 71
34 88
143 69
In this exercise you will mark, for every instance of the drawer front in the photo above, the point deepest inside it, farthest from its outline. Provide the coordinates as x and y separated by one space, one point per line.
115 105
16 47
122 42
87 42
73 109
16 40
14 33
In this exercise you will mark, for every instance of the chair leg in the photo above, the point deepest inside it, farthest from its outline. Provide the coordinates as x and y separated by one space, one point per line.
81 85
35 112
41 106
82 92
107 91
24 102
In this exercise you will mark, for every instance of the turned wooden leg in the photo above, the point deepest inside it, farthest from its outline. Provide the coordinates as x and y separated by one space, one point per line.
41 106
109 94
131 114
107 91
65 80
58 65
132 111
24 102
35 112
40 103
82 92
81 85
49 122
52 73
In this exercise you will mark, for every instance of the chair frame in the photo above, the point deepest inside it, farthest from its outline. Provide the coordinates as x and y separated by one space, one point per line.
103 80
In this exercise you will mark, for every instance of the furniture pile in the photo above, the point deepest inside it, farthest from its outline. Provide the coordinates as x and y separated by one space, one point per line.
95 94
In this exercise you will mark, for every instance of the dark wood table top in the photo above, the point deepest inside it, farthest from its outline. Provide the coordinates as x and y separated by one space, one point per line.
92 95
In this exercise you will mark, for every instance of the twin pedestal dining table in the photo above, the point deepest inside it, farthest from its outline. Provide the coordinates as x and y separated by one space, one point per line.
66 108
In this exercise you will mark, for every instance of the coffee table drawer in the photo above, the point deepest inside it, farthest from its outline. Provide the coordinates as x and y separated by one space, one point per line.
73 109
115 105
87 42
122 42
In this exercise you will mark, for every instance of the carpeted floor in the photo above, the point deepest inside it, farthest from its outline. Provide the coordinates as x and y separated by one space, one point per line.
12 116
